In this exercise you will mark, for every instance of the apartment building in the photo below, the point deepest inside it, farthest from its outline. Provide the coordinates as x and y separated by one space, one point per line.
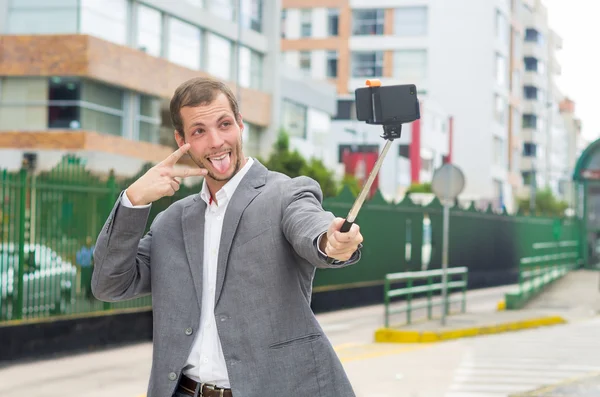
571 148
94 77
348 42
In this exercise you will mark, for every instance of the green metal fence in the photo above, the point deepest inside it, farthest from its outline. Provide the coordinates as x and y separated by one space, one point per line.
49 221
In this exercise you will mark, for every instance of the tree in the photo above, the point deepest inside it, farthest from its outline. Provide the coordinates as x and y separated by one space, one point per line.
419 188
292 164
545 204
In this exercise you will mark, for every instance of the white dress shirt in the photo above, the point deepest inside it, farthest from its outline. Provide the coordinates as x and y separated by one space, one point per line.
206 362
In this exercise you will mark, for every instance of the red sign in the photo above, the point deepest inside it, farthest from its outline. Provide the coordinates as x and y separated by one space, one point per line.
590 174
360 165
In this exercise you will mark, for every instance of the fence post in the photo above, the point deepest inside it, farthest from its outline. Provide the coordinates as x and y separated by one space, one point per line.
386 300
465 281
408 300
18 309
112 197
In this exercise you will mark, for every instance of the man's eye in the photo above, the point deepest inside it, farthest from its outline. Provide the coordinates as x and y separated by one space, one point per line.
226 124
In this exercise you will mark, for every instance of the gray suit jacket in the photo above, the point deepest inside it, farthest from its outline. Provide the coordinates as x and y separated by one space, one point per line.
272 342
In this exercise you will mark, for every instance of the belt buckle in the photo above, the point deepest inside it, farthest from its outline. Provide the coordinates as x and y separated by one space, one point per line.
211 387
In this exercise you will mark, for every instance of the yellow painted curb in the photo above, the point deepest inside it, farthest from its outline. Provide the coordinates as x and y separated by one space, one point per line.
388 335
501 305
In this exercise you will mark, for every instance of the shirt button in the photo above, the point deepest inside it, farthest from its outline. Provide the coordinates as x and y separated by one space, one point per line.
172 376
223 318
188 331
205 360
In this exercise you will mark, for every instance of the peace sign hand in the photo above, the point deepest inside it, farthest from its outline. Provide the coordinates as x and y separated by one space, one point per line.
160 180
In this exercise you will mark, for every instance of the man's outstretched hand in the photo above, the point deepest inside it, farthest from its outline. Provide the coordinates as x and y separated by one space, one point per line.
161 180
338 245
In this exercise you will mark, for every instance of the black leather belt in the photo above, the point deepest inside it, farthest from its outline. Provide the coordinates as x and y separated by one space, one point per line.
191 387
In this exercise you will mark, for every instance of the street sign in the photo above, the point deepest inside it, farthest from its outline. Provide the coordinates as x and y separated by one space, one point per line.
447 183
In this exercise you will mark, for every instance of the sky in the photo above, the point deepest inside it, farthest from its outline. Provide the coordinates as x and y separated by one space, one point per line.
576 21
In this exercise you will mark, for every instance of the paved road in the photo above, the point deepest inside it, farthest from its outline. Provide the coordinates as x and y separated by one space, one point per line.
491 366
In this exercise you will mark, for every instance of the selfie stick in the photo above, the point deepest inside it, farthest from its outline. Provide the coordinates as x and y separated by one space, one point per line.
390 133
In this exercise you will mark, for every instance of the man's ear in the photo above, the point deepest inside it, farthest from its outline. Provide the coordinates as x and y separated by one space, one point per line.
179 139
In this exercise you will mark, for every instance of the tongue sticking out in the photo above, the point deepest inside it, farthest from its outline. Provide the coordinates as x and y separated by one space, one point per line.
222 165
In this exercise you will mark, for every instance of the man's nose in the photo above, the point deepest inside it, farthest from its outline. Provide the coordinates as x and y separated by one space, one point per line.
215 139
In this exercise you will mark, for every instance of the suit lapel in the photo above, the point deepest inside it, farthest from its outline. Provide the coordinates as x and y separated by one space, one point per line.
246 191
193 239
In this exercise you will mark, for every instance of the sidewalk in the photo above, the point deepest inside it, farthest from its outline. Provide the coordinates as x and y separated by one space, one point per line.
572 298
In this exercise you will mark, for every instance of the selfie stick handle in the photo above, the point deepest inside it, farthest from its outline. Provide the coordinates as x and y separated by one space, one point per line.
363 194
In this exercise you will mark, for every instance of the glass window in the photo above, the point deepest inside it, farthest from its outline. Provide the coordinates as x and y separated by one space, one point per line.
410 21
499 149
332 62
534 36
252 11
333 21
41 20
256 67
410 65
106 19
529 149
102 95
500 109
367 64
222 8
305 62
250 70
305 22
149 30
293 119
529 121
64 106
501 71
502 30
252 135
530 92
367 22
149 119
219 56
184 44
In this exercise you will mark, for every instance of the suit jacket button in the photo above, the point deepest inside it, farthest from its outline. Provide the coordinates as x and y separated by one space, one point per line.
172 376
188 331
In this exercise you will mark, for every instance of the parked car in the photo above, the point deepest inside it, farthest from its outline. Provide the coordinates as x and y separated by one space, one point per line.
48 280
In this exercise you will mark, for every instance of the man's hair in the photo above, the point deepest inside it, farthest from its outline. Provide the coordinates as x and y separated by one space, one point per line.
199 91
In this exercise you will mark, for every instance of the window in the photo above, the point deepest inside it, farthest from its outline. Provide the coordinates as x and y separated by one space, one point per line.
105 19
345 110
499 150
305 62
102 108
501 71
529 149
148 119
500 109
294 119
533 36
502 28
149 30
63 103
250 69
529 121
305 23
219 56
44 18
222 8
283 25
367 22
332 62
527 177
530 92
184 44
252 139
410 65
410 21
534 65
333 18
252 11
367 64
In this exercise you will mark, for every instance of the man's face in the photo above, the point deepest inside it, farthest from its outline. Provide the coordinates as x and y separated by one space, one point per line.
215 138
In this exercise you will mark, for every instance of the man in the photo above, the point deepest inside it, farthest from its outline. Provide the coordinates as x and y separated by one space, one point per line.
230 269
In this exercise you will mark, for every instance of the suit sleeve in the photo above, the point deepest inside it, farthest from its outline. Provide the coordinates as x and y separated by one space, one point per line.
122 255
304 221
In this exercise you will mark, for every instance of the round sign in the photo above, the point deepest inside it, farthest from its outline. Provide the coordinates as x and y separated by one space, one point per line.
448 182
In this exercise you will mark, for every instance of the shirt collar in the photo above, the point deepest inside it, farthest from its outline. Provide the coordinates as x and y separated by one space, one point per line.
229 188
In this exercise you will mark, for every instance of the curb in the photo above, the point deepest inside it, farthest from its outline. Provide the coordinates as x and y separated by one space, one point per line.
389 335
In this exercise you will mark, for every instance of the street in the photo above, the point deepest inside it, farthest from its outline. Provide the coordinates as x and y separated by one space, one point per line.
486 366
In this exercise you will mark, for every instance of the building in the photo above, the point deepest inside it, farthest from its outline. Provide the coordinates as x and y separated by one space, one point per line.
94 77
572 149
347 43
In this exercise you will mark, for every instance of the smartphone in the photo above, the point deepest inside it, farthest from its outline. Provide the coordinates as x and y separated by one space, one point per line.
386 105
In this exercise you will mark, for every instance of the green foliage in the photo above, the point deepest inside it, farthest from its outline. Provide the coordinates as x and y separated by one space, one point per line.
353 184
292 164
419 188
545 204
